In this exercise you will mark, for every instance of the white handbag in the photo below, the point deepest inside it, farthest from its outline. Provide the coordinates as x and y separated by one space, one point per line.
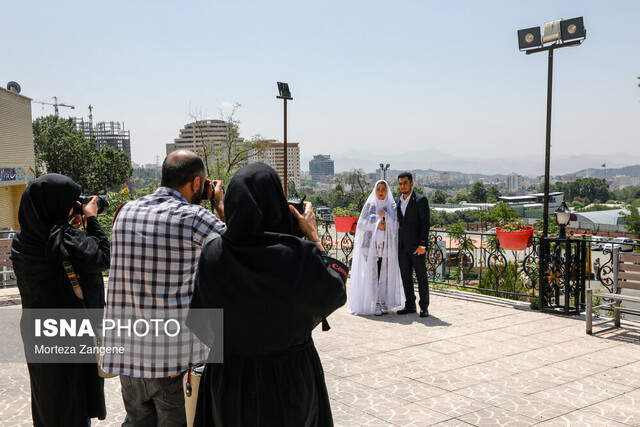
191 386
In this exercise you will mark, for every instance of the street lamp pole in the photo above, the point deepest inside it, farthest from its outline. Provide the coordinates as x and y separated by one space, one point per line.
547 151
285 95
564 33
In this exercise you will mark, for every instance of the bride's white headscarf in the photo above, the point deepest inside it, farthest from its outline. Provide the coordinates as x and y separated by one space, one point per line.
365 289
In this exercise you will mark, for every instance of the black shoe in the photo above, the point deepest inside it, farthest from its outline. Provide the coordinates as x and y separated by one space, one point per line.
407 310
424 313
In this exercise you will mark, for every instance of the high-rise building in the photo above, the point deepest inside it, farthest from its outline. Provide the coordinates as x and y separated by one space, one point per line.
321 165
111 134
515 183
193 135
273 155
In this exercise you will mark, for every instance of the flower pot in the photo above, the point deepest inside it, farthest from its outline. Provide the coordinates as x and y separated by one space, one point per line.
346 224
515 240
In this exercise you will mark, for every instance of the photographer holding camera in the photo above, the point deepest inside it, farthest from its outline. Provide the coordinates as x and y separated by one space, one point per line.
156 242
61 393
275 288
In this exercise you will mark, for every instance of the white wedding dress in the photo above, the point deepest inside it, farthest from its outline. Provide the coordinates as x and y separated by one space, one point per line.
365 288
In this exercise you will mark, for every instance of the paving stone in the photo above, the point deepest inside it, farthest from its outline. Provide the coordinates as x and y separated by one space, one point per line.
348 416
494 416
412 390
537 409
624 376
624 408
450 380
489 393
412 414
452 404
570 396
580 418
454 422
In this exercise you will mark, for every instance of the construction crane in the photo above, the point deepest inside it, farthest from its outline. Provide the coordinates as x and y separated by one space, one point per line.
55 104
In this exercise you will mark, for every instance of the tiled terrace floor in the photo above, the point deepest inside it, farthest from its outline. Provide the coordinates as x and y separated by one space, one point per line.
470 363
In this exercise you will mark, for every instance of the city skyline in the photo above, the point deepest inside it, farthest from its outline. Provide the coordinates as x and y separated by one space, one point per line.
364 75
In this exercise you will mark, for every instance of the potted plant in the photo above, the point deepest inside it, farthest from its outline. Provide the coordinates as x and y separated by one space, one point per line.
346 219
515 235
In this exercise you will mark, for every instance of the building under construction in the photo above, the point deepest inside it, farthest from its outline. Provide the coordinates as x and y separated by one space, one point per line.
110 134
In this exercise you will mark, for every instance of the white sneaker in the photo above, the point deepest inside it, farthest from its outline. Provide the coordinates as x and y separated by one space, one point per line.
378 311
384 309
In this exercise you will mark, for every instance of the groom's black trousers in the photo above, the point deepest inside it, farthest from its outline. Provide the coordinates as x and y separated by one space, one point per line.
408 262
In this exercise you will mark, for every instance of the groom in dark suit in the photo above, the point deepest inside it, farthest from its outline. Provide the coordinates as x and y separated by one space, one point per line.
413 215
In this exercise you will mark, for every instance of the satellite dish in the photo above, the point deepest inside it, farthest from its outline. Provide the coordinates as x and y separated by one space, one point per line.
13 87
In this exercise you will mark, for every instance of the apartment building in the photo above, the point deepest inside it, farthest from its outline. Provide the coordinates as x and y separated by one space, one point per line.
17 163
515 183
273 155
193 135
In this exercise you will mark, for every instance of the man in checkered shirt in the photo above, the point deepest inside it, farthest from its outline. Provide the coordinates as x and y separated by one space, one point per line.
155 246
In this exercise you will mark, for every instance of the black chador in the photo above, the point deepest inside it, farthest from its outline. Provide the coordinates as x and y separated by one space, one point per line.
275 288
62 394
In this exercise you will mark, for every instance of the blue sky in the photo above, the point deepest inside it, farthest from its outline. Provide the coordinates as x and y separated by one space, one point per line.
377 76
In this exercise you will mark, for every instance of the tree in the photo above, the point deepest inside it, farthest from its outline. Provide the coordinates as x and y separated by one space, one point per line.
223 159
439 197
109 168
461 198
632 220
478 193
493 194
417 190
353 188
499 214
589 189
627 194
61 148
291 189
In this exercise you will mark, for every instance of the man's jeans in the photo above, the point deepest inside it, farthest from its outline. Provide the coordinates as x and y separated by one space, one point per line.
153 401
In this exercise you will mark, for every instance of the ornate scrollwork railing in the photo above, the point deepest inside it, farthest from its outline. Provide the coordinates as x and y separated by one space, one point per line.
473 260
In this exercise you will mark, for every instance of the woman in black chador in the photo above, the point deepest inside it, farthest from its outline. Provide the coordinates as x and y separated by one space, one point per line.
275 288
62 394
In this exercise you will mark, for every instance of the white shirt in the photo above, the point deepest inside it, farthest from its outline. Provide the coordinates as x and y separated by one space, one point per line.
404 202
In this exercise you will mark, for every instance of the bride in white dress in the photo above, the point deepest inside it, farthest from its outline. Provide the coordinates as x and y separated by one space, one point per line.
375 284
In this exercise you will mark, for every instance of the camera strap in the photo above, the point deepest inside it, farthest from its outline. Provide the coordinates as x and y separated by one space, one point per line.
115 214
71 274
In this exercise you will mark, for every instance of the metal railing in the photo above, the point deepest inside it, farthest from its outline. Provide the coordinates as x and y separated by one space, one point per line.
475 261
471 261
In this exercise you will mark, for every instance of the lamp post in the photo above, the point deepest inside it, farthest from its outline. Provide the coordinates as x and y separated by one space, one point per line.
563 33
384 170
563 217
285 94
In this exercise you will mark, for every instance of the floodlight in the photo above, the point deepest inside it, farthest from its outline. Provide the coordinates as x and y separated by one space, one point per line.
572 29
283 89
529 37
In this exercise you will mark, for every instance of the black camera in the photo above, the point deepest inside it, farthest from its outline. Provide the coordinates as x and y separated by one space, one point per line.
212 184
102 204
297 203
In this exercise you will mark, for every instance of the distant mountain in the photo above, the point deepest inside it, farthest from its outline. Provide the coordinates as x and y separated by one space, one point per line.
438 161
609 172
